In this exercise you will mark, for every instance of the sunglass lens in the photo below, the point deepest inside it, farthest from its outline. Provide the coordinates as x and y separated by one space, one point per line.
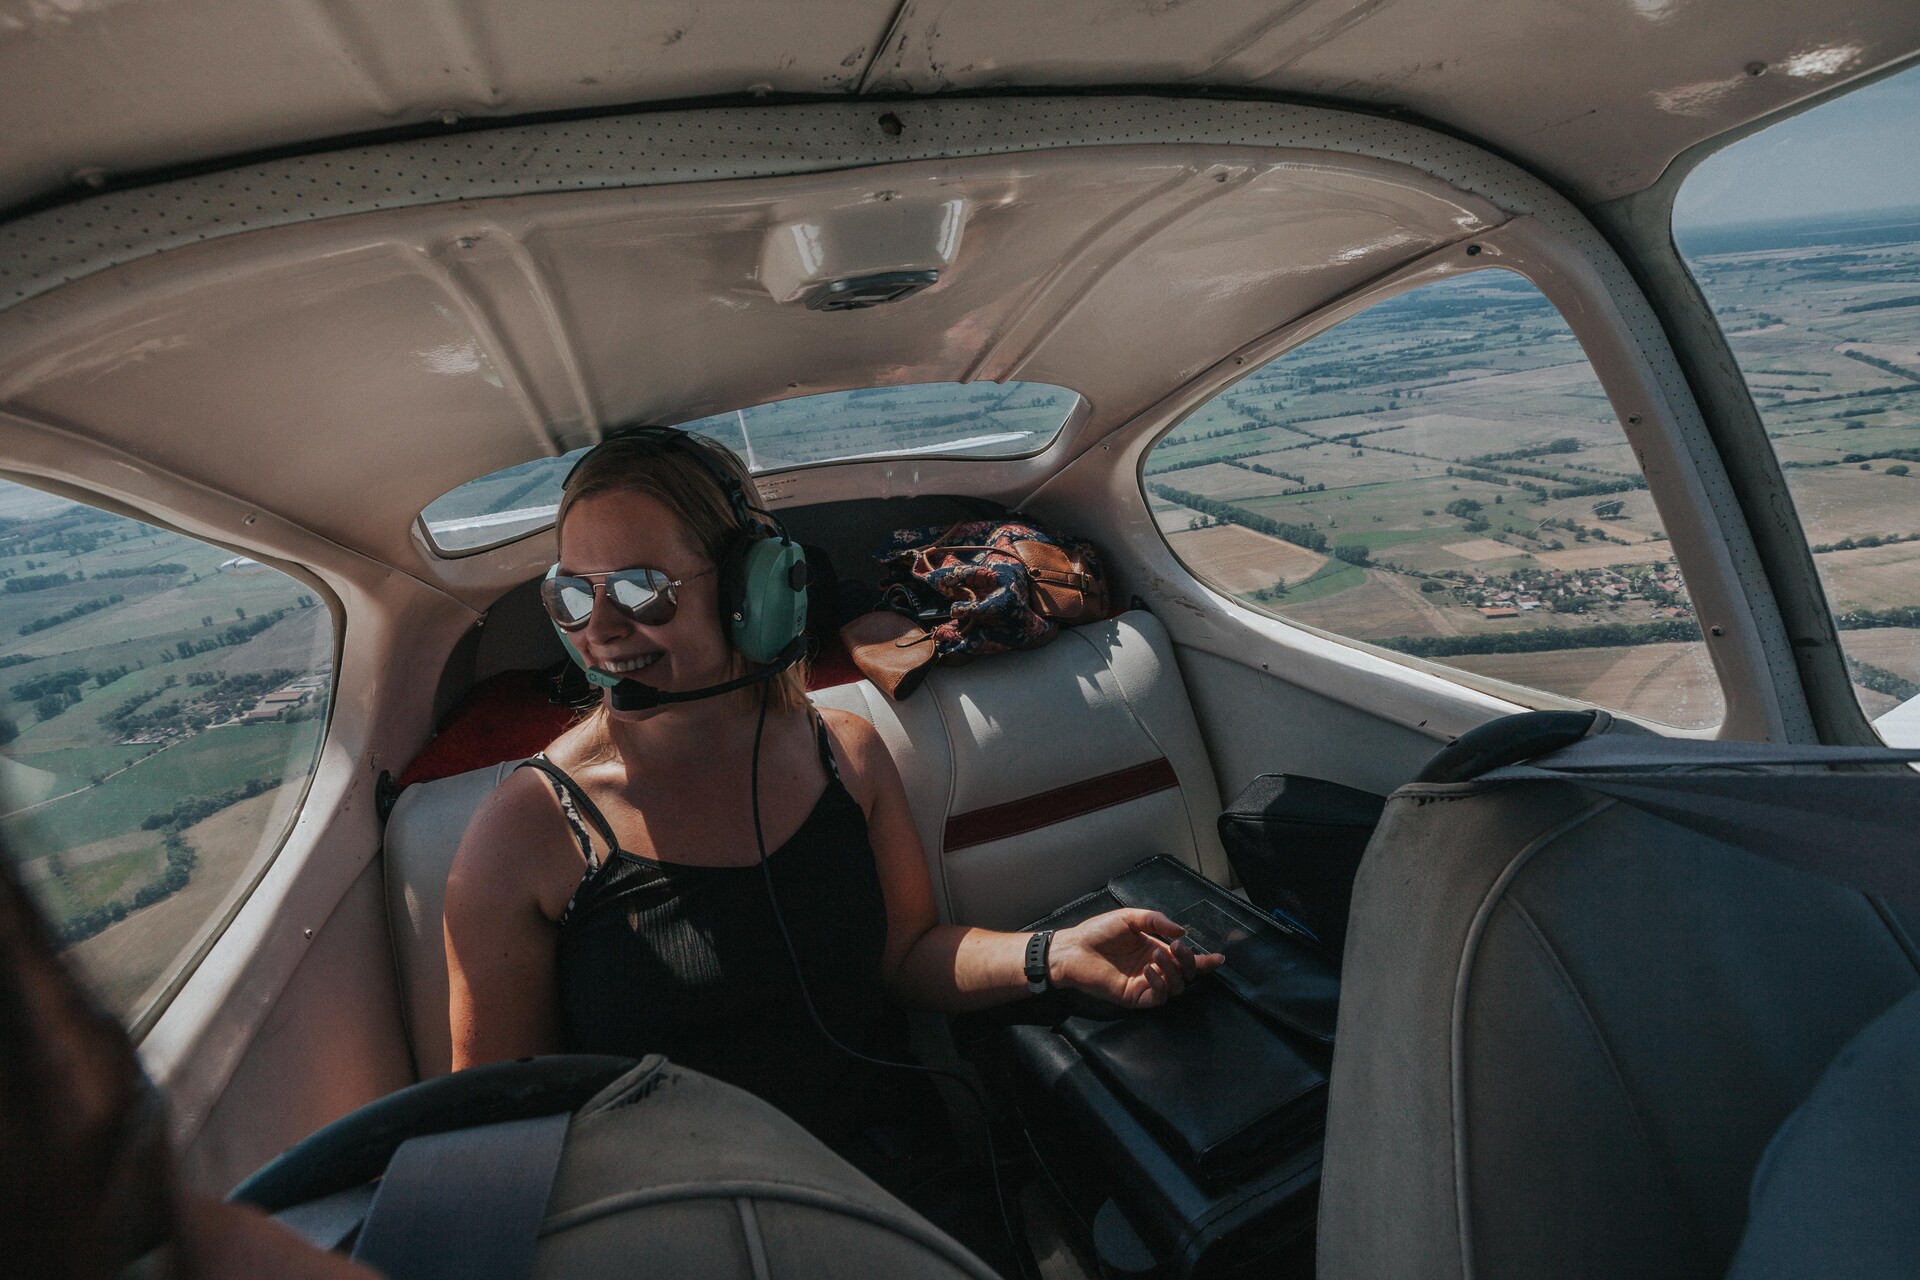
569 601
642 593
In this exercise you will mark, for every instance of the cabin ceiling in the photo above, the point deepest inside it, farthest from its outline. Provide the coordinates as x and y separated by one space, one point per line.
346 371
1597 96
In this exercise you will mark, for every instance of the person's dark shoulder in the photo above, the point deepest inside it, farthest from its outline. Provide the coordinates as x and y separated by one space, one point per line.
866 766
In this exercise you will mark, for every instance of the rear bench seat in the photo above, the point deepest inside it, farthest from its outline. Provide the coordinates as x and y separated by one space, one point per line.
1033 777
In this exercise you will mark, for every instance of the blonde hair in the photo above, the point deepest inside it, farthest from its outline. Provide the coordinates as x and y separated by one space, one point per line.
663 468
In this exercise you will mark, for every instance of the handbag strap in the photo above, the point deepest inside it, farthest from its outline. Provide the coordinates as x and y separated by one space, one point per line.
906 553
465 1205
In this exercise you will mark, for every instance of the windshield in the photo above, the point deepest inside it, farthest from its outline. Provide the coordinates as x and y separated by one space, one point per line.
1805 238
975 420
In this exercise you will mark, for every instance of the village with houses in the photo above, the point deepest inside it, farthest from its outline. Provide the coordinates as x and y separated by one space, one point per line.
1644 592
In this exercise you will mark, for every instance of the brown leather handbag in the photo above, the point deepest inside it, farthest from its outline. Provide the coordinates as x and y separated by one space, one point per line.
890 649
1066 583
988 585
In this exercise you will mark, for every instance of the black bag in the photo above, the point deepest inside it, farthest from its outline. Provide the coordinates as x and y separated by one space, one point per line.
1296 843
1220 1090
1197 1124
1273 967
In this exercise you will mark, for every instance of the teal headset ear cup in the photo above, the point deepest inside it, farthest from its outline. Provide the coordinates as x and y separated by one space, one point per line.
598 679
768 598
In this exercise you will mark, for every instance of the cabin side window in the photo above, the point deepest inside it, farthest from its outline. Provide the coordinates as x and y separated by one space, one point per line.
1805 239
1442 477
164 702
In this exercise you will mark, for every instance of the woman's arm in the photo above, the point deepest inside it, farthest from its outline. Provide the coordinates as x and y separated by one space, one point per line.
499 938
1129 957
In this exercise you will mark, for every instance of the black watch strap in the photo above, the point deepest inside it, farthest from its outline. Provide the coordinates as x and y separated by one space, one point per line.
1037 947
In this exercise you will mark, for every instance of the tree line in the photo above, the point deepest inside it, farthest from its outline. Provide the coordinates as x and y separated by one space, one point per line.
80 610
1301 535
180 860
1605 635
1906 615
1881 680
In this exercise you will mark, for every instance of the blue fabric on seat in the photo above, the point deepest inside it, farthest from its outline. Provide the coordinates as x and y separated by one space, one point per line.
1837 1194
465 1205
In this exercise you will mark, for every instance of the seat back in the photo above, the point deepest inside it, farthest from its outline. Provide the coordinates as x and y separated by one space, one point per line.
1032 777
423 834
1568 1029
1035 776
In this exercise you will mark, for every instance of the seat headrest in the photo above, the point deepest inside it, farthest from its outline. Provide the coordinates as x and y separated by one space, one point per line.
1511 740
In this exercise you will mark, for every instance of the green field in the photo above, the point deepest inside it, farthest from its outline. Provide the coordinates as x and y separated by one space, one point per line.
1332 580
128 657
206 763
1471 394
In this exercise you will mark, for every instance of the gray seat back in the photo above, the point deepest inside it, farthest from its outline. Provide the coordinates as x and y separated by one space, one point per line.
1569 1028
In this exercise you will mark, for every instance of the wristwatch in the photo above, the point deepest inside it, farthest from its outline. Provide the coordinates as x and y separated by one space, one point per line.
1037 961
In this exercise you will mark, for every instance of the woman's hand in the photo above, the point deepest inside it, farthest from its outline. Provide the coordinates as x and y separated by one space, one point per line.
1132 957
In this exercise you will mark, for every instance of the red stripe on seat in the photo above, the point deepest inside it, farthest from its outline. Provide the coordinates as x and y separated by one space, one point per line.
997 822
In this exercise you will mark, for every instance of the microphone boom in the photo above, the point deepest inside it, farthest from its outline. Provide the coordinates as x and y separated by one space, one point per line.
631 695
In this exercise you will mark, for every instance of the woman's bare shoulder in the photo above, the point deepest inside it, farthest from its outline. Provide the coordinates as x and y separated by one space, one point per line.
862 752
856 739
517 842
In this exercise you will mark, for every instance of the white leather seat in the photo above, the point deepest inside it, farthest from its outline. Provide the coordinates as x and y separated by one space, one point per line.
1032 776
423 833
1035 776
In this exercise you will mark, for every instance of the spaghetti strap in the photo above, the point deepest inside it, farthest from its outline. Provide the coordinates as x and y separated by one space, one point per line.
574 800
825 744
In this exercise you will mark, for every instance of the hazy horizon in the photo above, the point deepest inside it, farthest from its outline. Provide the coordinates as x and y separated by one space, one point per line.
1856 155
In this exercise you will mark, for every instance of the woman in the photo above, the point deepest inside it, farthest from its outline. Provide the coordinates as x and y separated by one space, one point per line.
613 901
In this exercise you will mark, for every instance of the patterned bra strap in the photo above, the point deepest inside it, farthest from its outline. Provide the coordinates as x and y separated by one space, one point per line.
573 792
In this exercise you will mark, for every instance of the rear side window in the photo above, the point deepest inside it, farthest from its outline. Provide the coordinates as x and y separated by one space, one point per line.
164 702
944 419
1442 477
1805 238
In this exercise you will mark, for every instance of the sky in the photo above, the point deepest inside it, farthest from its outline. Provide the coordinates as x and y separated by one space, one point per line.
1857 152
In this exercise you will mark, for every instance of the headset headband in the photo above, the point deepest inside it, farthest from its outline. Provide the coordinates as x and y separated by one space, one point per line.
676 438
763 572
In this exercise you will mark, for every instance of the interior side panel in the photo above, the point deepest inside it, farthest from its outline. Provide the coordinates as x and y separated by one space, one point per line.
333 1041
1257 723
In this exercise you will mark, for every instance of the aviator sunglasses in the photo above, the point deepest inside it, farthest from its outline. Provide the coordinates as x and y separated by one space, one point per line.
647 596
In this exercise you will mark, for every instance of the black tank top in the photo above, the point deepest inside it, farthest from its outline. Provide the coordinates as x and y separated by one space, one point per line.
666 957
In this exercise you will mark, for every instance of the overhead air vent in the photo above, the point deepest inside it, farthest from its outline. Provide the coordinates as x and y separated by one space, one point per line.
857 293
880 248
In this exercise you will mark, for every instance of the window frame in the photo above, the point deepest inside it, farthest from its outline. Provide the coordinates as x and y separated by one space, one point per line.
1684 476
209 933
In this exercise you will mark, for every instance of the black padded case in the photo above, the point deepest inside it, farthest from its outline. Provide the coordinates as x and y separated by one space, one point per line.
1220 1090
1199 1121
1296 843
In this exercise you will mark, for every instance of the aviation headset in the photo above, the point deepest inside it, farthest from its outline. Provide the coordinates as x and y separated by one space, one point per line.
762 572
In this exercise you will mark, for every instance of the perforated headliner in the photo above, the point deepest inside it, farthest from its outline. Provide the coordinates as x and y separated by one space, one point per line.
1596 95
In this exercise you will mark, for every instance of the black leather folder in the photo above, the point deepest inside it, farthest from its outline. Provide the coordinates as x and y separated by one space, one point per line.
1279 972
1209 1079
